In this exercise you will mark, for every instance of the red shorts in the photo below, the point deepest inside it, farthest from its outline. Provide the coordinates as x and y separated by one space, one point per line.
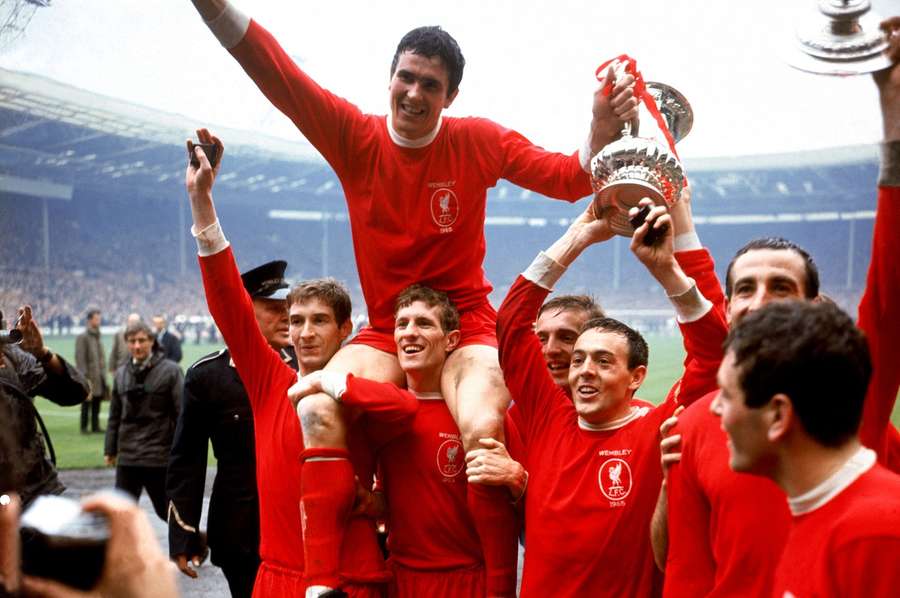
452 583
478 326
277 581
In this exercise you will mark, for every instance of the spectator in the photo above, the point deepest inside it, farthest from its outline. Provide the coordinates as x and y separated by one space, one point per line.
119 353
169 342
146 399
90 361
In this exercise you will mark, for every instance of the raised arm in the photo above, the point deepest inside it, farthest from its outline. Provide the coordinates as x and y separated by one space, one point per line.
703 327
324 119
879 316
524 368
229 304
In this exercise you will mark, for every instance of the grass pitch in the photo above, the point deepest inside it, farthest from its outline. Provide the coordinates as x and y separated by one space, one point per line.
75 450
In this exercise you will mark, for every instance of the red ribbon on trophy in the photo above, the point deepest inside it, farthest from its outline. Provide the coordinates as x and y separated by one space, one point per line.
640 91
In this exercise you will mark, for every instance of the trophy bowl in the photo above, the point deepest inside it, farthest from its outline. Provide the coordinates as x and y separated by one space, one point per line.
631 168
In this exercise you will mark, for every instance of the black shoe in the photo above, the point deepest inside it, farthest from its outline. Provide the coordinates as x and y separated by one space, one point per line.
84 431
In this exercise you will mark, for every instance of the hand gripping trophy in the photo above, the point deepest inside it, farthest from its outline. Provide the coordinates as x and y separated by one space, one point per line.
633 167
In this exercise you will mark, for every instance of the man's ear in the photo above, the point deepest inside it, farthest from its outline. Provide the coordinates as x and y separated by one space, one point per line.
637 377
345 329
780 415
450 98
452 340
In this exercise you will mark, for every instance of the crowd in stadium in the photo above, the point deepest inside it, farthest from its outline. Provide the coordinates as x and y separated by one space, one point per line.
412 457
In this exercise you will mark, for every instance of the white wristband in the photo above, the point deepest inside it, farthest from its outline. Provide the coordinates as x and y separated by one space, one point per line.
687 242
230 27
690 305
211 240
544 271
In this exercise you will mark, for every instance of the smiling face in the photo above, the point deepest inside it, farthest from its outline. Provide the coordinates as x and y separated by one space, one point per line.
422 343
418 94
558 331
273 320
315 333
764 275
601 383
745 426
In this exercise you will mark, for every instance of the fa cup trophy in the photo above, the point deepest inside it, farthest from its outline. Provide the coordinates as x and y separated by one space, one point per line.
841 39
632 167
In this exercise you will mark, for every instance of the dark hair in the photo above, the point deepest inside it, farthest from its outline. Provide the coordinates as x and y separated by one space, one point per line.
814 354
137 327
431 298
433 41
91 313
583 303
638 352
327 290
810 285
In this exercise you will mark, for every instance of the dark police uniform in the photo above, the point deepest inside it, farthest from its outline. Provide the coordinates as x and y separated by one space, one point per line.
215 408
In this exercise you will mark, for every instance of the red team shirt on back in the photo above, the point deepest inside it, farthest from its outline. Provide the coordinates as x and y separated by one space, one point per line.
416 214
726 530
848 547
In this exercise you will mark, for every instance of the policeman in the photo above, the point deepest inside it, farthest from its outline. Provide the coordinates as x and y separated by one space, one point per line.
216 408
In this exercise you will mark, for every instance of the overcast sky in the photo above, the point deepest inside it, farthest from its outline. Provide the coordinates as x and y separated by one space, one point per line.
529 66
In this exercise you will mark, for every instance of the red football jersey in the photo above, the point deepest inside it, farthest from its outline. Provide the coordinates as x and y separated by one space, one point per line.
591 492
416 214
849 546
726 529
279 441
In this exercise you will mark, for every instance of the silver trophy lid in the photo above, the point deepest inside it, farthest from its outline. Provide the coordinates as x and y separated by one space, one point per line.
841 39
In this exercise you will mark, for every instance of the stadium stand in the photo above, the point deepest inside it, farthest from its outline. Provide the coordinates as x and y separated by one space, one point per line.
92 209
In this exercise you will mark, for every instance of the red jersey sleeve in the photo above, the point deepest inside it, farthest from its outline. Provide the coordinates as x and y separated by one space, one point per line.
231 308
690 564
388 408
879 317
703 338
549 173
524 368
325 119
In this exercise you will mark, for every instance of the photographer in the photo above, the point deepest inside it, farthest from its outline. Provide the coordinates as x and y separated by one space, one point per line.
134 564
29 369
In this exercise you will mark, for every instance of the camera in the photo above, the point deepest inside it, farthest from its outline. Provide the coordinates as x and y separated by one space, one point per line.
210 149
654 234
10 337
60 541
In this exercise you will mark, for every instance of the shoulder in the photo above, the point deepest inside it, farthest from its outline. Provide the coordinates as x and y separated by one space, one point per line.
208 362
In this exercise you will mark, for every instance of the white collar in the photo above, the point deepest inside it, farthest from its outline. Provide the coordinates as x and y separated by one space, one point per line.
429 396
861 462
634 413
412 143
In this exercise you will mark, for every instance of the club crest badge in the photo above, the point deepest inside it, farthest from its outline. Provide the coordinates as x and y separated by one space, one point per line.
444 208
615 479
451 458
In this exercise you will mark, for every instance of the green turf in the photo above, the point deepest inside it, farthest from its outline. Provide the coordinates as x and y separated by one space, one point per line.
75 450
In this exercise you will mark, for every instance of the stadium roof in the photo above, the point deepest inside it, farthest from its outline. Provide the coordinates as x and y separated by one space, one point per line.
55 138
